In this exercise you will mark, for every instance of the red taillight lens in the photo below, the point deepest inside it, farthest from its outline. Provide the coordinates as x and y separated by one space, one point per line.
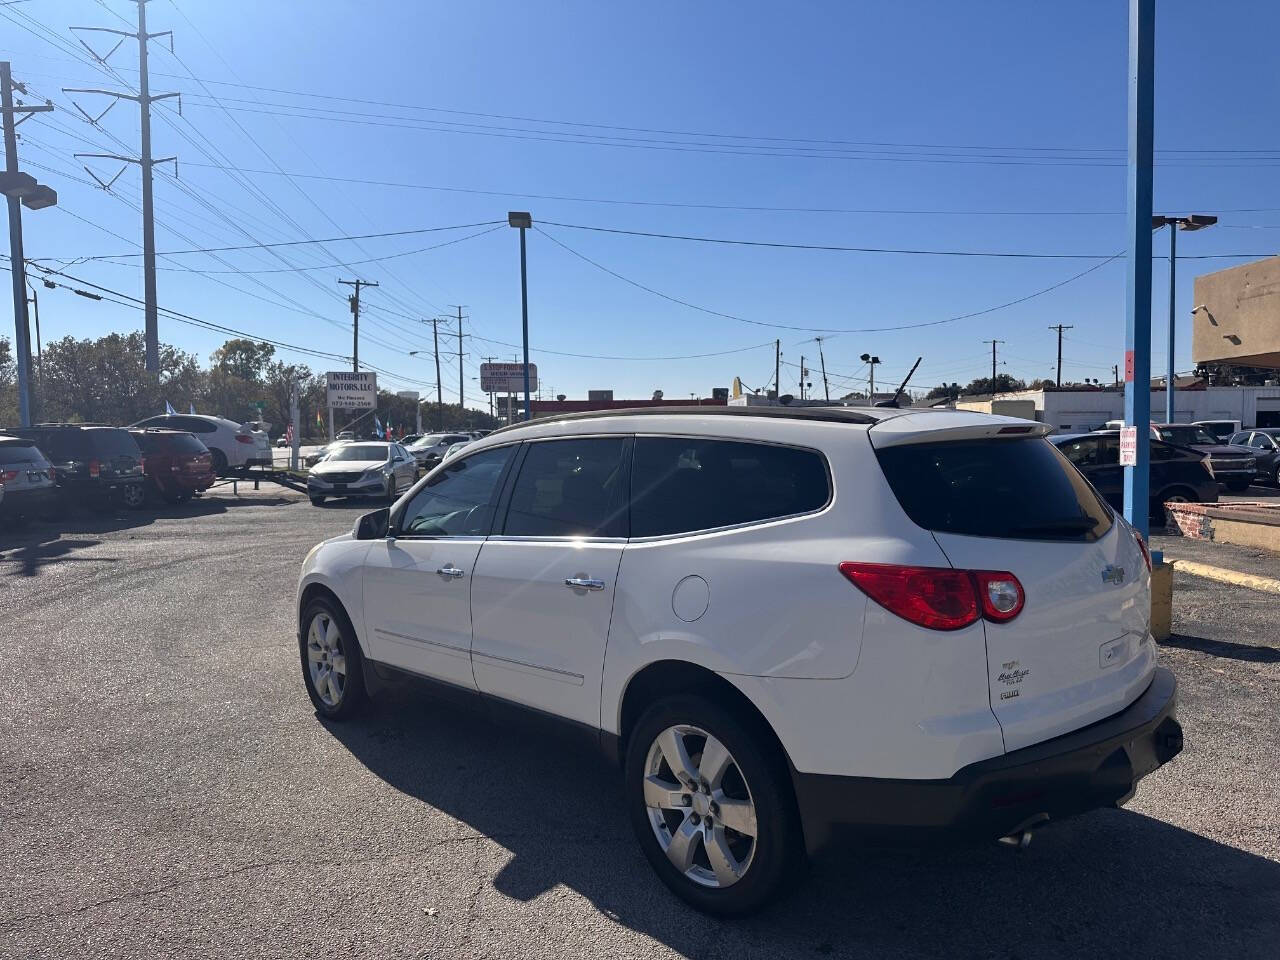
940 598
1146 552
1000 594
7 475
53 474
243 438
95 468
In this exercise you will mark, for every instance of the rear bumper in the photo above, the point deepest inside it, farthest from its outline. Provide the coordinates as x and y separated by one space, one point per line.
26 501
1096 766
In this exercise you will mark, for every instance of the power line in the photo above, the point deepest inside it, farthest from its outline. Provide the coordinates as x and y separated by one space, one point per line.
786 326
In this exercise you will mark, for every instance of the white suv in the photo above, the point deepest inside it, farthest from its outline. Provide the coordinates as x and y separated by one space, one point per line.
779 621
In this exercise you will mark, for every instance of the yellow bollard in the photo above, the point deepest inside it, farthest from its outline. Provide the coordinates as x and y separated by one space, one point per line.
1161 600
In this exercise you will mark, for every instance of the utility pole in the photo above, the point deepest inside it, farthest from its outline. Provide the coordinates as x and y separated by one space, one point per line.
490 360
871 361
146 162
826 390
19 188
354 300
802 372
993 362
777 371
1059 327
461 380
1115 374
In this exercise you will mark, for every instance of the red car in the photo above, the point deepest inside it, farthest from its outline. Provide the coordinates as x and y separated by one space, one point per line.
177 465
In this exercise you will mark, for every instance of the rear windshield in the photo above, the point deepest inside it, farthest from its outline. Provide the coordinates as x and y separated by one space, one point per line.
1012 489
19 453
113 443
170 443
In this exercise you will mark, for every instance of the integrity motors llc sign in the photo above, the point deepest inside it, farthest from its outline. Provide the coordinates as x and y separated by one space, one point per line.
352 391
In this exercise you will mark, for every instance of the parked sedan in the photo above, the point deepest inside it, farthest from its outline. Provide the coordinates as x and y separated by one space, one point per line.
320 453
429 451
1232 465
362 469
232 445
29 480
1265 444
1178 474
177 465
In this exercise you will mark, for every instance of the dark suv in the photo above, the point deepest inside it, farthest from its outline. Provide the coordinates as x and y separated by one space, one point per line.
95 464
1178 474
177 464
1233 466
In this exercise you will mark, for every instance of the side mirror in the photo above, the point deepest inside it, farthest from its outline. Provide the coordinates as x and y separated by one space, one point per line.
373 526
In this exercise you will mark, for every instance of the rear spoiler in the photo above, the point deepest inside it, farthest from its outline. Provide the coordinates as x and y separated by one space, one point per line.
941 426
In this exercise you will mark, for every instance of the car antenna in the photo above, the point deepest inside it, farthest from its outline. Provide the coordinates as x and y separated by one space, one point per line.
893 401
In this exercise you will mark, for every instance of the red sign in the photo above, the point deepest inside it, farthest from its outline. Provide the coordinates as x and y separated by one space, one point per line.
1128 366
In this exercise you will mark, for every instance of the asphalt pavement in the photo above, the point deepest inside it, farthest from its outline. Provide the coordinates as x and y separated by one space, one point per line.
168 791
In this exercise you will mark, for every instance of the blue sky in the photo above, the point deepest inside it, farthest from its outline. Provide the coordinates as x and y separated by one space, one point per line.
1034 93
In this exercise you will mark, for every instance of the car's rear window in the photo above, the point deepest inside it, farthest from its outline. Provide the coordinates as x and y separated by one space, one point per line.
1011 489
113 443
19 453
181 443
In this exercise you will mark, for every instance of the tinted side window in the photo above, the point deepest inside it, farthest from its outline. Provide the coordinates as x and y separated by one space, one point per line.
682 484
570 488
459 500
1082 452
114 443
1162 451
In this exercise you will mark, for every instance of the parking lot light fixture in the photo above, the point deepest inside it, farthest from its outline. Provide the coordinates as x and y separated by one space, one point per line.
1194 221
522 221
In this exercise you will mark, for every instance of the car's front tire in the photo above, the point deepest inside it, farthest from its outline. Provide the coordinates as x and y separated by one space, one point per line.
712 805
317 501
332 666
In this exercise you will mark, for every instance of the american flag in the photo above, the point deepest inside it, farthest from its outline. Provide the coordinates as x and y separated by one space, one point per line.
288 434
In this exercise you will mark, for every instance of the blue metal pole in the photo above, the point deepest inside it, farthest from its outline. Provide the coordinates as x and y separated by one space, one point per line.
1173 280
1137 356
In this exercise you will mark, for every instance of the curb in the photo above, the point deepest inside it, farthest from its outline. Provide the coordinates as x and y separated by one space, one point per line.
1223 575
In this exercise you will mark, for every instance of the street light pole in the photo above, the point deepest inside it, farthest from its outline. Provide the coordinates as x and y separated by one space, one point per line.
1195 221
522 221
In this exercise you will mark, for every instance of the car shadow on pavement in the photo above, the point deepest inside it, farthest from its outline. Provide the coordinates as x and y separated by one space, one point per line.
1248 652
1112 883
32 554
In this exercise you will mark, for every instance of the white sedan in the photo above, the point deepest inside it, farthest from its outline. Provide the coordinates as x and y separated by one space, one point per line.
366 469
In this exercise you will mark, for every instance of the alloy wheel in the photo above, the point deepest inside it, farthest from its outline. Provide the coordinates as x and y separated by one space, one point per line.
326 661
133 495
700 806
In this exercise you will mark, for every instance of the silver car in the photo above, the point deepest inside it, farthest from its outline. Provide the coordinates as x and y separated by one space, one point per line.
28 478
363 469
429 451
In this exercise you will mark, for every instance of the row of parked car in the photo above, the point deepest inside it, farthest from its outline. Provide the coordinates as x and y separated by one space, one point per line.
348 467
1189 461
168 457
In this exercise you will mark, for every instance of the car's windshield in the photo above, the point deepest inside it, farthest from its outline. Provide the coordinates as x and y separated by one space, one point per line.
1186 436
359 451
430 440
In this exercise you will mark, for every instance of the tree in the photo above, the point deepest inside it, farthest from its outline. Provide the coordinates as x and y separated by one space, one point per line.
8 384
243 358
1004 383
944 389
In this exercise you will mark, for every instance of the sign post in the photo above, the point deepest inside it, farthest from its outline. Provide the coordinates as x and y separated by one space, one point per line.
1137 348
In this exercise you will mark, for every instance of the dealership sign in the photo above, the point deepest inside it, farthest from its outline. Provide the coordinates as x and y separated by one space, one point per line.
352 391
507 377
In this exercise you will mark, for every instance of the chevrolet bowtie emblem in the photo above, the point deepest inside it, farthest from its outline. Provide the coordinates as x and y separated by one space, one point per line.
1112 574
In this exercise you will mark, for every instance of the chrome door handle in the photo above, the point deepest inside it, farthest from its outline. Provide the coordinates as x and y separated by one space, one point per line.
584 583
451 571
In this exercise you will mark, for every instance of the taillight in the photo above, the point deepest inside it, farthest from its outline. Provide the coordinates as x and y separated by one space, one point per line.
243 438
1000 594
940 598
53 474
1146 552
7 475
95 468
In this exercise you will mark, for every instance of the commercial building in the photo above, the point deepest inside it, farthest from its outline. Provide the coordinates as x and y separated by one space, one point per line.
1072 411
1236 317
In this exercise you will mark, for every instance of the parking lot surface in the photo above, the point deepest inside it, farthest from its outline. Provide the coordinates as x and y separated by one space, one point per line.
168 791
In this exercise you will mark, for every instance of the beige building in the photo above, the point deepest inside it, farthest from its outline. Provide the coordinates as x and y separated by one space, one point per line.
1236 318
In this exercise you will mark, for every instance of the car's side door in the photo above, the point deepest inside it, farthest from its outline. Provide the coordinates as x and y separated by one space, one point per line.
403 467
417 582
542 595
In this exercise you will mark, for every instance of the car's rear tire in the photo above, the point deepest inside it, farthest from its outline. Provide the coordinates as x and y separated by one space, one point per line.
133 496
219 461
317 501
715 865
332 667
1275 475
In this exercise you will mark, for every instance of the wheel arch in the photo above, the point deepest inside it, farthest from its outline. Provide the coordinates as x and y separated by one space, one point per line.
317 588
664 678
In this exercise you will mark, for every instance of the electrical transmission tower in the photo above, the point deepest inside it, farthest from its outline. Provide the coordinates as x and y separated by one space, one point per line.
143 98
